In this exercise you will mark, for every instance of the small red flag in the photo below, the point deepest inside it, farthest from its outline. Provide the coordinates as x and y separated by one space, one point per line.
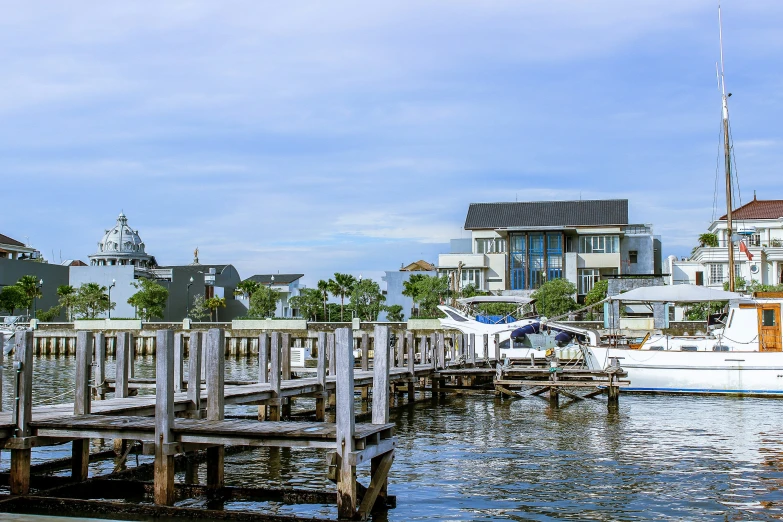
744 248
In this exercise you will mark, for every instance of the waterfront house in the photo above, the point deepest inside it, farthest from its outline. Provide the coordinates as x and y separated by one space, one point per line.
287 285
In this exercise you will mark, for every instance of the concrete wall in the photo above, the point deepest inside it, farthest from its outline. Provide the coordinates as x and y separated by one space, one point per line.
12 270
124 275
643 245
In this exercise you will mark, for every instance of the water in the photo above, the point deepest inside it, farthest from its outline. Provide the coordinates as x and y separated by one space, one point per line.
473 457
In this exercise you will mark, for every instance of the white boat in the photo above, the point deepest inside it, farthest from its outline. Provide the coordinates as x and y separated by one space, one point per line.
521 334
741 356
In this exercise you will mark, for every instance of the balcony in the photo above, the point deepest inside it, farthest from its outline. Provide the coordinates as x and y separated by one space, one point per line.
451 261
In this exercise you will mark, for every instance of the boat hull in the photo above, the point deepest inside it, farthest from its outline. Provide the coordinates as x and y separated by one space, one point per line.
701 372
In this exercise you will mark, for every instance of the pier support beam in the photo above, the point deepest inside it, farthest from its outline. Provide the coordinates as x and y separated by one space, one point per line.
274 375
263 369
216 369
80 459
23 408
320 399
194 375
410 342
164 419
100 365
346 476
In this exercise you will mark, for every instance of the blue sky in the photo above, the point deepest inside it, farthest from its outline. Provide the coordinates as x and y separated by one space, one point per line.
316 137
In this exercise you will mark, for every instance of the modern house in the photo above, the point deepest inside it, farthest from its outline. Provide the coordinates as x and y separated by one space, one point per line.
395 284
10 248
286 284
516 247
759 225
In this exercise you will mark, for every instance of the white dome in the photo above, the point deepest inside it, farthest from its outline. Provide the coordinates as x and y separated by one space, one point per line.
121 238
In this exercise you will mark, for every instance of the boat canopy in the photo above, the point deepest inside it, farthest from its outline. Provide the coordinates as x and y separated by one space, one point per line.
675 294
513 299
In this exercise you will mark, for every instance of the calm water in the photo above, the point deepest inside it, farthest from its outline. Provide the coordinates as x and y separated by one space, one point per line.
475 458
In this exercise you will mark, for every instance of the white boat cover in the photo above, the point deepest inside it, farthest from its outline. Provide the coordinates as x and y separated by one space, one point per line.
515 299
675 294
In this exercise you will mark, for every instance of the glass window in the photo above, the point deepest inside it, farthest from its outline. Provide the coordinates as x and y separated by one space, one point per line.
689 348
490 245
599 244
633 256
768 318
587 278
716 274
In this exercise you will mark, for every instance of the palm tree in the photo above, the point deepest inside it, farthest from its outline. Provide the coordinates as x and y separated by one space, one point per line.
340 286
30 288
323 287
247 288
67 295
214 303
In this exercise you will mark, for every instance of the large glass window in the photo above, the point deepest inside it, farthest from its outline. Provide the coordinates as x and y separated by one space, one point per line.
554 256
517 266
716 274
536 246
489 245
599 244
587 278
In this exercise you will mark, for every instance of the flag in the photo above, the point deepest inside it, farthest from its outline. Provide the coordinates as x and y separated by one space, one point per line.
744 248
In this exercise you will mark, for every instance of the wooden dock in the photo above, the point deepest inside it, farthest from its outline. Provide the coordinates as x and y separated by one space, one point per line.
185 418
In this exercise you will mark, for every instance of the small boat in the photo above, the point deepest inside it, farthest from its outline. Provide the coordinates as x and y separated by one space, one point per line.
10 325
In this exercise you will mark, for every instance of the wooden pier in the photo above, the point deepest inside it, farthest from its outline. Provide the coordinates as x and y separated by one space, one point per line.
184 421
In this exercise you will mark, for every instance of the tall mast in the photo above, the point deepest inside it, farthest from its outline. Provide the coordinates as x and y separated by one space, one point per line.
727 156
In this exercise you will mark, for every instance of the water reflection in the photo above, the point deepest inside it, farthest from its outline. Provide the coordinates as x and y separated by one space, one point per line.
475 457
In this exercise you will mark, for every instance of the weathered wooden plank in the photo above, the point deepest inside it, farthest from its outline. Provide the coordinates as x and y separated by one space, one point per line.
496 341
80 449
100 363
330 348
194 372
365 352
321 369
485 344
380 471
380 385
472 348
22 412
164 418
179 356
285 356
122 359
275 371
263 357
441 352
346 481
216 366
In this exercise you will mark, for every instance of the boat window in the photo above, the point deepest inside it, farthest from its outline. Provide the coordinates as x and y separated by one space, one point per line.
720 348
656 348
768 317
455 316
690 348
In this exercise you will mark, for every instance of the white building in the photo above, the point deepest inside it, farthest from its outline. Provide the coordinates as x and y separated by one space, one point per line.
287 285
759 224
517 246
121 245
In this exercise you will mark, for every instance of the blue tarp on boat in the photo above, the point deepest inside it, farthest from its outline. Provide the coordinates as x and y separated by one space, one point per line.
495 319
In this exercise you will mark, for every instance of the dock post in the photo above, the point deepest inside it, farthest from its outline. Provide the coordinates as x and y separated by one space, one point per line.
164 419
263 368
100 365
216 366
179 352
124 347
554 395
330 347
194 374
411 342
400 351
2 355
285 372
613 392
80 459
346 478
320 399
485 343
274 376
472 349
496 340
23 411
441 353
365 362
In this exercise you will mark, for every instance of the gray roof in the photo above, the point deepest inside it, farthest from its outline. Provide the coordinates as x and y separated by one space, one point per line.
547 214
280 279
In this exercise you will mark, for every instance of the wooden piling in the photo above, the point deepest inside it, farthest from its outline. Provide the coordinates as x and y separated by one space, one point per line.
346 478
472 349
2 362
164 419
194 374
320 399
179 356
122 360
80 459
100 365
365 352
410 340
496 340
263 358
274 375
216 369
22 413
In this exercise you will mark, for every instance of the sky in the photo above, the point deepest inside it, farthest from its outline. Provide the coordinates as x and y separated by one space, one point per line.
342 136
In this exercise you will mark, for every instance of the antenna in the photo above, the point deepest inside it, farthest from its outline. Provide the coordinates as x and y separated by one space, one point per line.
720 36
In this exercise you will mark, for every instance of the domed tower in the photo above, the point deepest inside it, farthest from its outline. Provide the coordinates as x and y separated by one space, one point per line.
121 245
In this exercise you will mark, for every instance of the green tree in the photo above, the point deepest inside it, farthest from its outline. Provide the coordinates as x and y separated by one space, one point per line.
263 303
323 287
91 300
367 299
739 284
67 295
214 303
708 239
150 300
470 291
555 297
700 311
198 311
411 288
247 287
49 315
428 291
31 288
308 302
597 293
342 286
394 313
11 298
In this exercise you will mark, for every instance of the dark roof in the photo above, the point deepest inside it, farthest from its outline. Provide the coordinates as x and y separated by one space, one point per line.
198 268
10 241
547 214
759 209
280 279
